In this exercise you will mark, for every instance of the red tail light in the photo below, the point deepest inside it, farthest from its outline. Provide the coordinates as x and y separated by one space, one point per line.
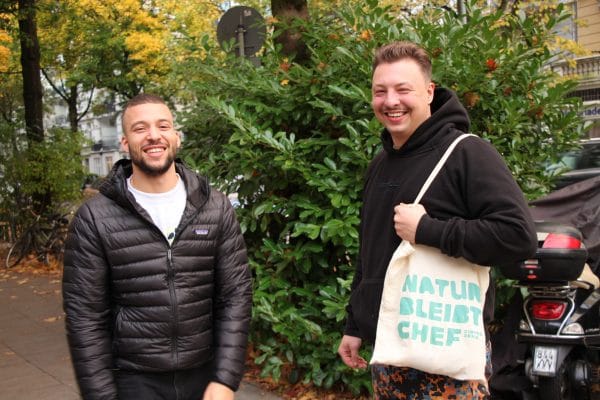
548 309
561 241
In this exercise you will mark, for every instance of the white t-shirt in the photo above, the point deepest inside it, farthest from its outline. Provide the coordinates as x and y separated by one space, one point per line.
165 208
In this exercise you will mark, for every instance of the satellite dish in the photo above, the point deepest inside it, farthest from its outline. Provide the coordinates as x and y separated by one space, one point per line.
246 26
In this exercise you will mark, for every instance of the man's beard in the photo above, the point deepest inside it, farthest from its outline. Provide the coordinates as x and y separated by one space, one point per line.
152 170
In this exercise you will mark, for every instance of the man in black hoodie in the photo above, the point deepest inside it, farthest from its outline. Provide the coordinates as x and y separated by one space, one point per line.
474 209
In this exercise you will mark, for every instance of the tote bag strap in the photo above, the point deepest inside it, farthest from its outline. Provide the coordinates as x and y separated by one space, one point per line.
439 165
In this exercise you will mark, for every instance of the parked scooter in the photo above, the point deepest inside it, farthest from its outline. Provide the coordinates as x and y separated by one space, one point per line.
560 317
557 349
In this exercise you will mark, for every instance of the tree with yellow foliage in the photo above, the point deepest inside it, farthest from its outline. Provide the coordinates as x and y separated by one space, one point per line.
5 39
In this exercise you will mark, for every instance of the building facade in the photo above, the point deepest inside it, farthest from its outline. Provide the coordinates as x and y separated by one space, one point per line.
101 127
104 133
585 30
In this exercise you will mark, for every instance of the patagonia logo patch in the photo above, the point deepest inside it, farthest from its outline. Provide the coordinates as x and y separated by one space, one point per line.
201 231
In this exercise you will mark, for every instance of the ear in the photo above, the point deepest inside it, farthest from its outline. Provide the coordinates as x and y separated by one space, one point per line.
178 139
430 90
124 144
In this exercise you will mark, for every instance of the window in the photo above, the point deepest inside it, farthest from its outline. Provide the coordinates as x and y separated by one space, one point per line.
96 166
594 131
568 28
108 161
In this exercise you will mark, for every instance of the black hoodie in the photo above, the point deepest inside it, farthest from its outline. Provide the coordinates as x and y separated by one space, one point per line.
475 209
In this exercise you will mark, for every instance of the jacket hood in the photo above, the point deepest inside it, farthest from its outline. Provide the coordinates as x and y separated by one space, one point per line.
115 185
447 113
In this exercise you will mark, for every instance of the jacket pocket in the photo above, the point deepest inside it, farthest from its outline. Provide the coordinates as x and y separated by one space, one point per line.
117 325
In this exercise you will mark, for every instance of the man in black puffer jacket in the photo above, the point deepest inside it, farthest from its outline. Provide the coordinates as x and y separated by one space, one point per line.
156 288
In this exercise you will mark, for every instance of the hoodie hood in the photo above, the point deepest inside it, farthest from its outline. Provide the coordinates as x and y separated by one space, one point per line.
447 113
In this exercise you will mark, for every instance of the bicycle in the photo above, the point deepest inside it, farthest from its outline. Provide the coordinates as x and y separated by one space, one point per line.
43 238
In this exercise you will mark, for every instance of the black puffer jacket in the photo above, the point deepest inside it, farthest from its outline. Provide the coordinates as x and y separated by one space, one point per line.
135 303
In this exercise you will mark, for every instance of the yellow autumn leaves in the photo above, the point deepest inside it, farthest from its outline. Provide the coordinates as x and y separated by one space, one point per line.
5 39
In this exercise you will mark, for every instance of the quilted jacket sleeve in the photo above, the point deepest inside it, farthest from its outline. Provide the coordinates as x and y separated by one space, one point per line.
86 304
233 302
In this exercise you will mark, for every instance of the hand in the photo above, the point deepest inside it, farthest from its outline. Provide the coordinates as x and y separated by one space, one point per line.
348 350
406 220
217 391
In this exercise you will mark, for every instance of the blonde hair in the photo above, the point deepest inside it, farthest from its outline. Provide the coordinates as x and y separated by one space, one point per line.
397 51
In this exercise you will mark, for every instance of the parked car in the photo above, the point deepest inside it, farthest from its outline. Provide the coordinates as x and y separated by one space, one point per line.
579 164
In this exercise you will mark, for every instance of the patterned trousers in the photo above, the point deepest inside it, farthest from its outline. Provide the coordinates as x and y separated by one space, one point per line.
404 383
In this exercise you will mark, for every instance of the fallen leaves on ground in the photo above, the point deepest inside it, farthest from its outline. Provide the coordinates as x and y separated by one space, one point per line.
29 263
31 266
289 391
35 267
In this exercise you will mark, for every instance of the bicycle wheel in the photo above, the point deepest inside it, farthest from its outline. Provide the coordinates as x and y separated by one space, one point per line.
54 250
15 254
22 247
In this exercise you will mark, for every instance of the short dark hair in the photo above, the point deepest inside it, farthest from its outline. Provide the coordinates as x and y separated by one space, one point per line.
397 51
142 98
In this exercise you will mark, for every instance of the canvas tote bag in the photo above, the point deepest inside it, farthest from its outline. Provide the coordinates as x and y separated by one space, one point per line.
431 314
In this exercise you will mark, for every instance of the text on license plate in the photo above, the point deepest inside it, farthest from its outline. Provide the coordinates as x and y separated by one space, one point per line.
544 360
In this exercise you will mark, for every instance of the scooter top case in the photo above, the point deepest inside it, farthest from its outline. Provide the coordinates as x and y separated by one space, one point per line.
560 256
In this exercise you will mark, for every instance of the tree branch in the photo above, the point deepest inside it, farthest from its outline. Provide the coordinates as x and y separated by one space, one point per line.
87 108
56 89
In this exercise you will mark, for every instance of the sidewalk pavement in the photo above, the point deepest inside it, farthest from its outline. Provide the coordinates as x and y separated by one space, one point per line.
34 357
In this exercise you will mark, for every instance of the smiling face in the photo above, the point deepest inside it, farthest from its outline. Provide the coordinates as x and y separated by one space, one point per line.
401 95
150 138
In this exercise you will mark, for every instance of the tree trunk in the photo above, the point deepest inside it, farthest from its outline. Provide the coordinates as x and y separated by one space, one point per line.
32 90
291 39
73 117
30 64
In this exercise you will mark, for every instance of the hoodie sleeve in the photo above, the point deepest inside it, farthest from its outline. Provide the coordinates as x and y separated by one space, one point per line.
87 308
496 226
350 328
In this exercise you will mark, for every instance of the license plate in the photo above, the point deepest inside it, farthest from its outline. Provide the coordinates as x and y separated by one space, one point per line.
544 360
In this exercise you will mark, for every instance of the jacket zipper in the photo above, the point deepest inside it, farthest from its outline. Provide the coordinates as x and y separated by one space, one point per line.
174 314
